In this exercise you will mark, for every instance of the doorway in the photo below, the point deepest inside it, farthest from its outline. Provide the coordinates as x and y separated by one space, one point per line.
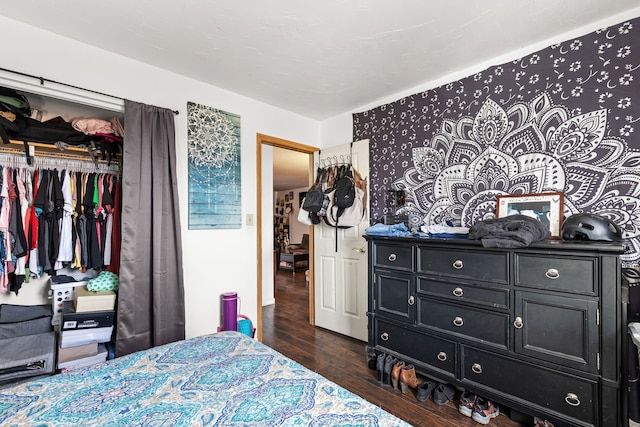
261 141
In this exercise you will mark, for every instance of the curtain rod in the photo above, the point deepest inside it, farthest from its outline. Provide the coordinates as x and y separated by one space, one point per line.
43 80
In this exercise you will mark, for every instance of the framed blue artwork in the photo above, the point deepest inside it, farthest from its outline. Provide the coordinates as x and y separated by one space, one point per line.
213 137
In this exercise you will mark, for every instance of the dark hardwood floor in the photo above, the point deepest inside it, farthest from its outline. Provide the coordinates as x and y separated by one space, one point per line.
343 360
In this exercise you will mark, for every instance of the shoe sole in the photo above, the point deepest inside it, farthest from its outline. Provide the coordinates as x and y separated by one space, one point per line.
467 412
484 419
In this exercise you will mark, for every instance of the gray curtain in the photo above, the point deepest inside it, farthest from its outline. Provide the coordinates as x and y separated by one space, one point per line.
151 294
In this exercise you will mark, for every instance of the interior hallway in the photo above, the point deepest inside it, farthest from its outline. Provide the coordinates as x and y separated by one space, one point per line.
343 360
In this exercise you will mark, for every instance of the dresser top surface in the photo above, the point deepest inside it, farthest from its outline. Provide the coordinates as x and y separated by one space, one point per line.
611 247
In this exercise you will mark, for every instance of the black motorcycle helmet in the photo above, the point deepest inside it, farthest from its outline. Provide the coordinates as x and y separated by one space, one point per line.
590 227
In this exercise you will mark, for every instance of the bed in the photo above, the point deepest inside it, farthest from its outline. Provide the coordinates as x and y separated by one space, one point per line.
224 379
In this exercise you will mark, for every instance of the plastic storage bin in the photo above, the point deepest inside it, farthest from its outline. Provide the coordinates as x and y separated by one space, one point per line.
62 292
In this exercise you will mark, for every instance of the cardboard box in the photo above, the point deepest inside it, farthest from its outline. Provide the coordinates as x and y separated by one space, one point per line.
85 300
89 319
77 352
101 356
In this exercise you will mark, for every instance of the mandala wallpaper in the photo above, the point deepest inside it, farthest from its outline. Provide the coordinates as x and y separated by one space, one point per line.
561 119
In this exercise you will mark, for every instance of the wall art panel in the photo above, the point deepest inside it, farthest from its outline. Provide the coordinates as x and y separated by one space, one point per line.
214 168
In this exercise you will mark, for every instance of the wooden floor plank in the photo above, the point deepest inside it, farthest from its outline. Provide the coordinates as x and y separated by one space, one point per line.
343 360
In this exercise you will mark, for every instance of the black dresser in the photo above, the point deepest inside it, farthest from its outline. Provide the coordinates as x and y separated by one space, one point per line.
538 329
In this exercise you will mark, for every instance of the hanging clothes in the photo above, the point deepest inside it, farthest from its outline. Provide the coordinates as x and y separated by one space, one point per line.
94 256
65 249
114 265
50 219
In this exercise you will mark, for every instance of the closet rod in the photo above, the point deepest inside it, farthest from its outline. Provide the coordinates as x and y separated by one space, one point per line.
43 80
56 155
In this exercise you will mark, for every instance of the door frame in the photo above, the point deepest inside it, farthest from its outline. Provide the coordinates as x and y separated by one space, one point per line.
262 140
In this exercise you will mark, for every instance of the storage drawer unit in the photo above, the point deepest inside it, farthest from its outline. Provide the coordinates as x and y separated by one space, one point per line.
397 257
538 329
547 389
495 297
487 266
568 274
436 352
483 325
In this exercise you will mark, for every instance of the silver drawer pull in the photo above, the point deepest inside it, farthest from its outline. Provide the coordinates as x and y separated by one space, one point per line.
384 336
457 264
458 292
442 356
518 323
412 300
477 368
392 257
572 399
458 321
552 274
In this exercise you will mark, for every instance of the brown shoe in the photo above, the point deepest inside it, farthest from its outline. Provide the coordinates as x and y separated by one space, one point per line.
408 379
395 374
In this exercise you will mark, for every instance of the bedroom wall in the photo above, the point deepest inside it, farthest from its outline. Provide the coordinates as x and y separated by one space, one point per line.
215 261
558 116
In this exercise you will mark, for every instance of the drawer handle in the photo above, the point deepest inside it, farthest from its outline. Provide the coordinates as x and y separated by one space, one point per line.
458 292
384 336
477 368
518 323
412 300
458 321
552 274
457 264
393 257
442 356
572 399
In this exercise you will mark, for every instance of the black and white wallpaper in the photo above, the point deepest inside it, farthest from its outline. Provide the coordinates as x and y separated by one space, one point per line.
561 119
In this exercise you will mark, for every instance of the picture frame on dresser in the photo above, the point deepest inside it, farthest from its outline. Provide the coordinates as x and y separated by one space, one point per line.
545 207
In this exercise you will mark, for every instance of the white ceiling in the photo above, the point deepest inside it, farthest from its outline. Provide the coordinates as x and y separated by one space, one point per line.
316 58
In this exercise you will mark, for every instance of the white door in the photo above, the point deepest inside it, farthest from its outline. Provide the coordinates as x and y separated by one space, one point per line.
341 276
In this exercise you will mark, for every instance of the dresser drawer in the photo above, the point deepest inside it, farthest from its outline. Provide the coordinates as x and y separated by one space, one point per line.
491 297
397 257
486 265
574 274
476 324
437 352
550 390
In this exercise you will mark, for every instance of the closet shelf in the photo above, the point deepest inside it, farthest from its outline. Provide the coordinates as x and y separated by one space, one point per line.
48 150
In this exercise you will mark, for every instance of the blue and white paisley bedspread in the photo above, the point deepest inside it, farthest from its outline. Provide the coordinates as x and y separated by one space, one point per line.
224 379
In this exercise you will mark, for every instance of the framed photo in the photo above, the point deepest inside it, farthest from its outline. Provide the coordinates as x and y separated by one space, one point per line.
545 207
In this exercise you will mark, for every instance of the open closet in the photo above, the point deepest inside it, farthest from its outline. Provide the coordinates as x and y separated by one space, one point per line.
150 293
57 186
60 201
